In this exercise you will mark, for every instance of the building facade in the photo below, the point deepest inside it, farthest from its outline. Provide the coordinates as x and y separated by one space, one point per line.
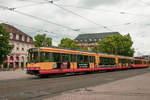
22 42
91 40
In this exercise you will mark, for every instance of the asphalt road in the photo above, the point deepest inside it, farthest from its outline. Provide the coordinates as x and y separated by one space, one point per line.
38 89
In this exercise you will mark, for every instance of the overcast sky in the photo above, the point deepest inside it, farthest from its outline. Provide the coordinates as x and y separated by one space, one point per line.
75 17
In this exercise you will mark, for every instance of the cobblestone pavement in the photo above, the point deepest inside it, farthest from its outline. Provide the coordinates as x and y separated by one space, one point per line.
33 88
17 74
134 88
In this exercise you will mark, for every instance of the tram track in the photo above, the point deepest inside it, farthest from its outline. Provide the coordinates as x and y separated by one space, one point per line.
37 88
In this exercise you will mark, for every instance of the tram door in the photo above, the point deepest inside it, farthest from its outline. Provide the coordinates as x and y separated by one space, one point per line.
73 61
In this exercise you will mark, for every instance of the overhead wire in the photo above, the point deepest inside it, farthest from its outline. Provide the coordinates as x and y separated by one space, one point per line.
30 5
131 21
55 5
14 9
80 7
51 1
111 11
105 27
33 28
37 18
28 27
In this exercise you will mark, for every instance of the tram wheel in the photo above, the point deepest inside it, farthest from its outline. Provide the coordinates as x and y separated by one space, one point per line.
43 76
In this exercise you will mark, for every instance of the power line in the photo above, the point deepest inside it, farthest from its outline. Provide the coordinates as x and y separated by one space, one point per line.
111 11
28 27
105 27
30 5
31 28
37 18
80 7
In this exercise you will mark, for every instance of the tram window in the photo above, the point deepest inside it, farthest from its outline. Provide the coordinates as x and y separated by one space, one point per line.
107 61
51 57
91 59
57 57
124 61
94 59
132 61
80 59
65 58
86 59
113 61
33 57
44 57
73 58
138 62
129 61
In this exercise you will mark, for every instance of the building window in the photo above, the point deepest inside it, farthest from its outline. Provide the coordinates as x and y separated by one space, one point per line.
23 39
85 40
90 39
17 49
17 37
20 37
11 36
28 39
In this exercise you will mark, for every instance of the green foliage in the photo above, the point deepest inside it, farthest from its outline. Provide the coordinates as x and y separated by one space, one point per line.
84 48
116 44
42 41
68 43
5 48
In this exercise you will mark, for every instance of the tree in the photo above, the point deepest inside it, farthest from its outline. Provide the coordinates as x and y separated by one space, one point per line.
84 48
5 48
116 44
68 43
42 41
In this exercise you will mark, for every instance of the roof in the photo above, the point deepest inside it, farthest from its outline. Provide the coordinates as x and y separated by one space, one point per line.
93 37
12 29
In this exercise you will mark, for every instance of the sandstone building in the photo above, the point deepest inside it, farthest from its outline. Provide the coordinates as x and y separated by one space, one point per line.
22 42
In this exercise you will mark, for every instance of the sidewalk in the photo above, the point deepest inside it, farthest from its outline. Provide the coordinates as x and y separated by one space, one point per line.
134 88
17 74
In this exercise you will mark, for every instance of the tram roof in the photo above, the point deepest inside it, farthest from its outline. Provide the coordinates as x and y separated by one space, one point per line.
54 47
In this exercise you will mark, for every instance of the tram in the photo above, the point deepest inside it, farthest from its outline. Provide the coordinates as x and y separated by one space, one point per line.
46 61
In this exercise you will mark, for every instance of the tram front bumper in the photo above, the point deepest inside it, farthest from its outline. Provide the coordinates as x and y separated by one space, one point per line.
33 70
